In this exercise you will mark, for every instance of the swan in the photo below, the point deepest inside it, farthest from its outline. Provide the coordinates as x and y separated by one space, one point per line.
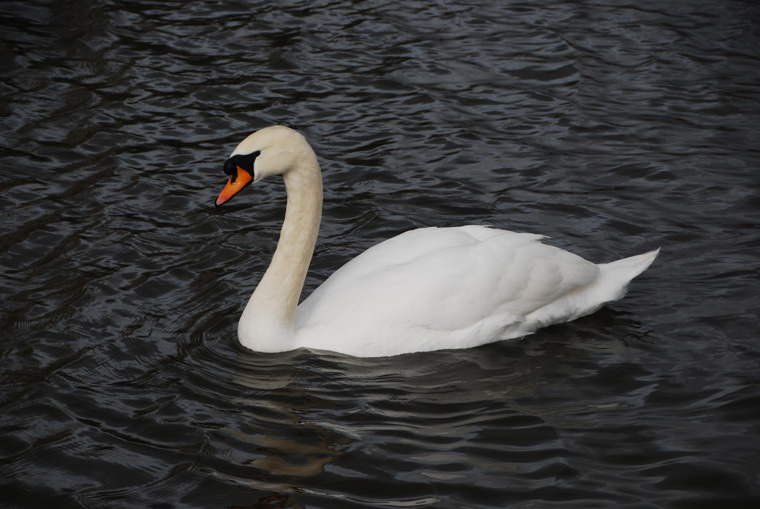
426 289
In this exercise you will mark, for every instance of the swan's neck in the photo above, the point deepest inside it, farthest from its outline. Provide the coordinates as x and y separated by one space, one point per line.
268 321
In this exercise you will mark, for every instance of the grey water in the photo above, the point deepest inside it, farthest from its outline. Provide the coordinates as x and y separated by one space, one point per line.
611 126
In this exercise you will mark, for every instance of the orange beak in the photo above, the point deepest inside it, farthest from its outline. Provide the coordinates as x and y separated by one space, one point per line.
232 188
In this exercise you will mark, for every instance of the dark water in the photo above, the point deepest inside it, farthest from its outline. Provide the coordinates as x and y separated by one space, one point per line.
612 127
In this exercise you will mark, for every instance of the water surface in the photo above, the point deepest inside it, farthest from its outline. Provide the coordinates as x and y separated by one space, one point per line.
612 127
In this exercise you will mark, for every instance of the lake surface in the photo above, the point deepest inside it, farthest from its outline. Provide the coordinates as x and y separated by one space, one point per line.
612 127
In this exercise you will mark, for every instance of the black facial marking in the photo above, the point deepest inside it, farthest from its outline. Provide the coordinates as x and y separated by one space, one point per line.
245 161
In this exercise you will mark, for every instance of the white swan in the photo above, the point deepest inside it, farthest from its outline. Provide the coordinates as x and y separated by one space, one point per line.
426 289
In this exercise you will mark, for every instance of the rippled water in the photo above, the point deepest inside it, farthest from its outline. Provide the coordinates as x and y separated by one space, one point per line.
612 127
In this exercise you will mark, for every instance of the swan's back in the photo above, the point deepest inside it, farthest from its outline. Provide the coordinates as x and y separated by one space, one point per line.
437 288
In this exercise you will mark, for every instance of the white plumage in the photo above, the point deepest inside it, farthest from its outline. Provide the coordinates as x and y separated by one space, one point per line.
426 289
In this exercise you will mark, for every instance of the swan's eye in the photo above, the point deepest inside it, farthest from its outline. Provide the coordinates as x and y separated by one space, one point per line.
230 168
244 161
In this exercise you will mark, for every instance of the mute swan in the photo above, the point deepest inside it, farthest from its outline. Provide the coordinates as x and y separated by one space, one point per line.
424 290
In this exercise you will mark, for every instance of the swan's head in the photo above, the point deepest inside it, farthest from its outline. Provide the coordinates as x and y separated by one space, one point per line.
270 151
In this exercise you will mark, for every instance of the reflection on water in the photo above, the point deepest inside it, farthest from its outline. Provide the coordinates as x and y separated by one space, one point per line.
300 448
610 127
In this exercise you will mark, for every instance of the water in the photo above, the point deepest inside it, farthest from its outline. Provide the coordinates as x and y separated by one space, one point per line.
612 127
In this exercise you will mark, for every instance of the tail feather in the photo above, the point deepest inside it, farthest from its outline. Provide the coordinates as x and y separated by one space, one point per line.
610 285
615 276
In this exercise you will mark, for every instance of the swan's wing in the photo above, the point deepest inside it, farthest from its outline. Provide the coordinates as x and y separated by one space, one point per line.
456 282
414 244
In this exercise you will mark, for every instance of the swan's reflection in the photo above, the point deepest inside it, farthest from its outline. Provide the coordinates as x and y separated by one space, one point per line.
279 406
304 411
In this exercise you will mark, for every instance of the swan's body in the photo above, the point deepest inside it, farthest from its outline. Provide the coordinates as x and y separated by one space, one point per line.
426 289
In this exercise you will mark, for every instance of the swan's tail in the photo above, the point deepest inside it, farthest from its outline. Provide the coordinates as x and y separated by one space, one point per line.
615 276
610 285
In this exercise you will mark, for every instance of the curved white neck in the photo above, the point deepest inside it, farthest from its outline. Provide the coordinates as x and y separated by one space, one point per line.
267 323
